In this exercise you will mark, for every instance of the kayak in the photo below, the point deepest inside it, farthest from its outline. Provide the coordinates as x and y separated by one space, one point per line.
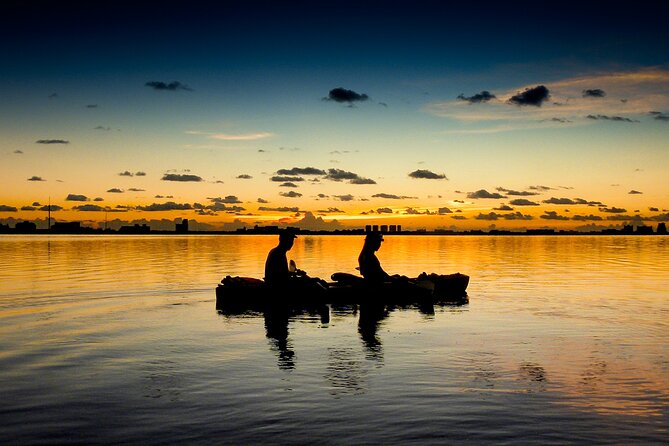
345 289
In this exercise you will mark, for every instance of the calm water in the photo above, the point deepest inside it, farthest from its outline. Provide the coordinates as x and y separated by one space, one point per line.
116 340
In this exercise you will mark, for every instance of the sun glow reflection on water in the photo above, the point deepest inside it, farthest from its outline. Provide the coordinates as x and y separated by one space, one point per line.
115 339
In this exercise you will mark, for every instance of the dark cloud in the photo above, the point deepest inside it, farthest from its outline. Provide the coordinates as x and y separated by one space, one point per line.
244 176
627 218
279 209
135 189
92 106
488 216
523 202
52 208
100 127
482 193
301 171
634 192
126 174
503 207
384 211
88 208
323 196
18 152
458 217
5 208
553 215
140 174
288 184
180 177
444 210
290 194
517 216
611 118
541 188
661 117
652 209
168 206
412 211
115 190
561 120
595 93
517 193
172 86
98 199
52 141
36 178
613 210
330 211
347 197
531 96
426 174
262 200
28 208
340 175
36 203
362 181
229 199
282 179
483 96
221 207
344 95
76 197
586 218
569 201
660 217
393 197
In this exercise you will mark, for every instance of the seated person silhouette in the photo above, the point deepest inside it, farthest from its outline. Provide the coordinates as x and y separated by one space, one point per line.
276 266
370 266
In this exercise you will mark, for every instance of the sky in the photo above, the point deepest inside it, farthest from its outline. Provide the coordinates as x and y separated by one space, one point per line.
333 115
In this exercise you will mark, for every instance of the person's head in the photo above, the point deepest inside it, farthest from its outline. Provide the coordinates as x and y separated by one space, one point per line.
286 239
373 240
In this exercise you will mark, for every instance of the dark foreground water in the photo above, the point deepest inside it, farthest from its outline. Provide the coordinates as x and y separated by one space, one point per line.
117 340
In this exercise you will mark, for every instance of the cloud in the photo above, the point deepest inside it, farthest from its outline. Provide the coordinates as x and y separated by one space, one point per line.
340 175
288 184
634 192
586 218
330 211
553 215
531 96
347 197
595 93
115 190
516 192
126 174
229 199
75 197
384 211
517 216
611 118
98 199
181 177
106 129
393 196
262 200
135 189
52 208
323 196
290 194
244 176
88 208
541 188
426 174
523 202
5 208
92 106
221 207
140 174
36 178
444 210
18 152
482 193
569 201
168 206
279 209
488 216
52 141
163 86
503 207
653 209
343 95
301 171
241 137
28 208
613 210
660 116
483 96
458 217
282 179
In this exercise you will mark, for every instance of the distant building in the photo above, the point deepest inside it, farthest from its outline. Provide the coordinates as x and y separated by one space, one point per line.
368 228
384 229
628 229
4 228
375 228
399 228
135 229
643 230
182 227
25 226
661 228
392 229
66 227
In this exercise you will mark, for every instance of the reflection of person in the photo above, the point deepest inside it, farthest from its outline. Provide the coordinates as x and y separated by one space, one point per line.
370 266
276 325
276 266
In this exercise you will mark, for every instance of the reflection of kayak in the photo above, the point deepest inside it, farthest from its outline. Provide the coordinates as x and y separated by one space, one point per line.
246 292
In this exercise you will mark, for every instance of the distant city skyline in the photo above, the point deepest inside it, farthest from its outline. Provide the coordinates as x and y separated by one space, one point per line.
336 115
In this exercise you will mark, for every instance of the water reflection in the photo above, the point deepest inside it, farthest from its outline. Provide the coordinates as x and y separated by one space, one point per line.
369 321
276 326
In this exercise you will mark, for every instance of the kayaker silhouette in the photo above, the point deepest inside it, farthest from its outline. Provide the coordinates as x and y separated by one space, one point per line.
277 272
370 266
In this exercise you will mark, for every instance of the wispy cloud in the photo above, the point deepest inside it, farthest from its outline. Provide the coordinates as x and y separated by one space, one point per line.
52 141
168 86
36 178
181 177
427 174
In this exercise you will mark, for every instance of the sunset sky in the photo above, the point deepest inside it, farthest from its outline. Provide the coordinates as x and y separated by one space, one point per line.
336 114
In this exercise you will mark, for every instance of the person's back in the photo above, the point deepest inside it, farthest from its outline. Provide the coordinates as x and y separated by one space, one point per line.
276 266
